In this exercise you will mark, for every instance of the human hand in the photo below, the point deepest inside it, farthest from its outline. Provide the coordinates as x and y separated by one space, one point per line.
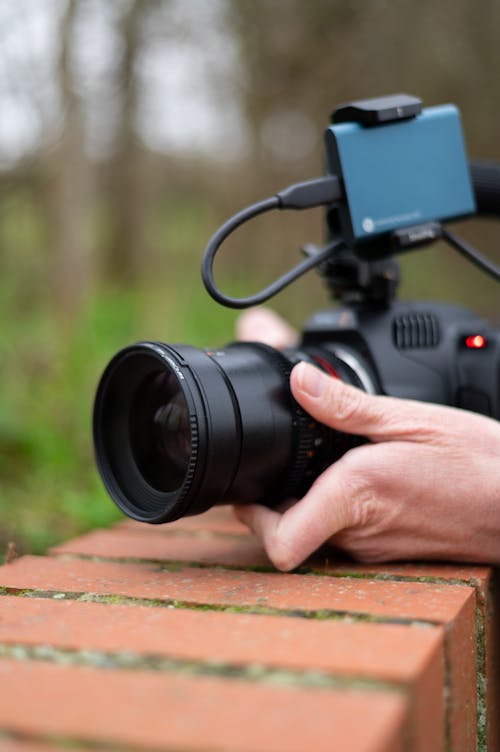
428 486
263 325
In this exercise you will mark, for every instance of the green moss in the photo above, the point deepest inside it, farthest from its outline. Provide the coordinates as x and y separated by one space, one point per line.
482 705
129 661
117 599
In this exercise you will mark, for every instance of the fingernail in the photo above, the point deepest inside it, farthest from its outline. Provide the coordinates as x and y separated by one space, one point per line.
311 380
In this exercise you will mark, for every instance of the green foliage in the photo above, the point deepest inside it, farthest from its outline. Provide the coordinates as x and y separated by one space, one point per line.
52 359
49 487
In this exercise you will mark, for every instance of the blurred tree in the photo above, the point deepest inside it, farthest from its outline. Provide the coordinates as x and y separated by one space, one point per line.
312 56
68 187
301 59
129 182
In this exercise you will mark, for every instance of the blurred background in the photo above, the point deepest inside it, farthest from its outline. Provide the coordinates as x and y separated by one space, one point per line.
129 130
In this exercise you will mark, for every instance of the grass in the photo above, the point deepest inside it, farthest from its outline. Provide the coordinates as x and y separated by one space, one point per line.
50 489
51 362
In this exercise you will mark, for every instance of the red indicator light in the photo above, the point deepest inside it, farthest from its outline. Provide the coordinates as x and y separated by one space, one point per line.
475 342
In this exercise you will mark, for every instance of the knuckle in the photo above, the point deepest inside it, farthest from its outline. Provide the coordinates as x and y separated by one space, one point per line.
358 491
344 402
363 505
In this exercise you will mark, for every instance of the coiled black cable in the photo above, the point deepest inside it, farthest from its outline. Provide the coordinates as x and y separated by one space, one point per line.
328 190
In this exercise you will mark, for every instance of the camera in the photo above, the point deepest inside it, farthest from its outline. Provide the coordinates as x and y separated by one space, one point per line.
178 429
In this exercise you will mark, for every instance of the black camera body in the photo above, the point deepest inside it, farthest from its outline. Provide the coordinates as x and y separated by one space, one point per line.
424 351
178 429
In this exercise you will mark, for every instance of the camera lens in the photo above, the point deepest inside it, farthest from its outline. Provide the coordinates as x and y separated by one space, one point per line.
177 429
144 433
159 431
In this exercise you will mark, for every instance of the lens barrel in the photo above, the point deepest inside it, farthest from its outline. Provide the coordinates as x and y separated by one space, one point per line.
178 429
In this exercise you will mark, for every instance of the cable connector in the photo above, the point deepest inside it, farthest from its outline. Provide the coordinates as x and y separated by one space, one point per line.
305 195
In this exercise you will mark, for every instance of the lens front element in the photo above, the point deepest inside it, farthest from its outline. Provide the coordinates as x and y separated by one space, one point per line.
160 431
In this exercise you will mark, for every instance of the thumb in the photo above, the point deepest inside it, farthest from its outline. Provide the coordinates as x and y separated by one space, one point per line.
349 409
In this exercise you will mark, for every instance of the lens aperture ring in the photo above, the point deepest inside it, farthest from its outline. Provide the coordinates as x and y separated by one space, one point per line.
304 432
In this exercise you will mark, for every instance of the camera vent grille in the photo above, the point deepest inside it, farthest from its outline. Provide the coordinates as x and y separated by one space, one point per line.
416 330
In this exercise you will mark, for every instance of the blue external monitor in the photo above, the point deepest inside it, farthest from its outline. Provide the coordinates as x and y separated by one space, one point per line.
400 174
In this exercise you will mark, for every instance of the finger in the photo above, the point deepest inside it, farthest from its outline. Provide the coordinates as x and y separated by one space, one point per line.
263 325
264 522
289 538
351 410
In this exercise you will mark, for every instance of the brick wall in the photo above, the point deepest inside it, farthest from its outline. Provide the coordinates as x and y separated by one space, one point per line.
183 637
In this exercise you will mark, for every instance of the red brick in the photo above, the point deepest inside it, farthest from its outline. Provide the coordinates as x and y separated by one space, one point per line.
26 745
391 599
450 605
412 657
237 551
484 582
218 520
476 576
161 711
388 652
222 520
